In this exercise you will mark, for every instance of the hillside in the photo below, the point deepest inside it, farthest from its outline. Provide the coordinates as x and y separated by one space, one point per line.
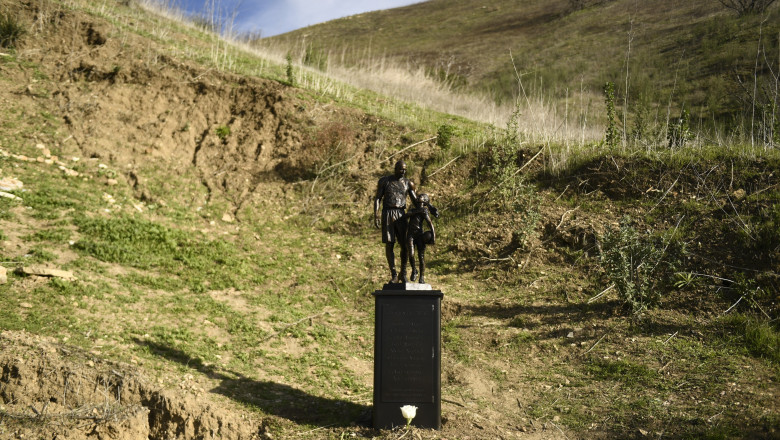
187 251
689 55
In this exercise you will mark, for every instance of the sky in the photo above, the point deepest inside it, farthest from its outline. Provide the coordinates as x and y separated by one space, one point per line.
273 17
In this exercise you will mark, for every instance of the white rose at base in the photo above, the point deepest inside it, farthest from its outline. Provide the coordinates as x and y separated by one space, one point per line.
408 411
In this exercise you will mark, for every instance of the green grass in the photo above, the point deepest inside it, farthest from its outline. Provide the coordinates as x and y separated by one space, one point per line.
627 372
754 336
201 264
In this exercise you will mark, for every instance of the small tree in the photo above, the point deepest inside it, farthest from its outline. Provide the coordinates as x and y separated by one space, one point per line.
290 71
444 136
744 7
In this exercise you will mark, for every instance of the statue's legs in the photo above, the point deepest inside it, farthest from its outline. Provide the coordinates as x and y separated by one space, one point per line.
426 238
391 261
410 251
421 255
404 259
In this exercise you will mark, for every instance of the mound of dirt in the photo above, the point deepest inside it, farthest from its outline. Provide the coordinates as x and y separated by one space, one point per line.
49 390
124 99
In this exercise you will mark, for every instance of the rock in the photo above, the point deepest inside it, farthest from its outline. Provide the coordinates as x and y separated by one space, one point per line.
9 196
227 218
48 272
570 335
10 184
25 305
111 182
3 275
69 172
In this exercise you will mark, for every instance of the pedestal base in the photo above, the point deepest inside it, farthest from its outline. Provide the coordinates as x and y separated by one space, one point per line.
407 355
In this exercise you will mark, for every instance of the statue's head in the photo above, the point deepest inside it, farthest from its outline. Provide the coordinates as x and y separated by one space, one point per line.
424 199
400 169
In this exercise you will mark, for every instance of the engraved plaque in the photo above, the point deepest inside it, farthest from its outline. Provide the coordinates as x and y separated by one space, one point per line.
407 357
408 352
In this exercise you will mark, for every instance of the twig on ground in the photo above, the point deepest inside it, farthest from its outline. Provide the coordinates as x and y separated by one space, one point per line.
713 417
293 324
759 308
453 402
603 292
563 219
192 80
499 259
670 337
559 429
734 305
664 196
562 193
597 343
445 166
404 149
315 429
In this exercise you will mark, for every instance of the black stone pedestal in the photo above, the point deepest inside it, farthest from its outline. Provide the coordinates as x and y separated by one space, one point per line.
407 355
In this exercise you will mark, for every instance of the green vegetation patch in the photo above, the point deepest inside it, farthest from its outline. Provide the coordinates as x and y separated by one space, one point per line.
759 338
628 372
148 245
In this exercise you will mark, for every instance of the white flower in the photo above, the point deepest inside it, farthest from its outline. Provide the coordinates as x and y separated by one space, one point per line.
408 411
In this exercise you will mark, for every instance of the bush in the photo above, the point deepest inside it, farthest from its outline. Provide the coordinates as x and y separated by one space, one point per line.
640 266
10 31
444 136
290 71
679 131
316 58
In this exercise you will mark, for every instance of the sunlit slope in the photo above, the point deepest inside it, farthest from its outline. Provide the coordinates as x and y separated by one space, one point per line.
690 54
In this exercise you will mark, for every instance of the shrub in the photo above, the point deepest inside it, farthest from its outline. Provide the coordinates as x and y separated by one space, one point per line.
640 266
444 136
316 58
679 131
10 31
290 71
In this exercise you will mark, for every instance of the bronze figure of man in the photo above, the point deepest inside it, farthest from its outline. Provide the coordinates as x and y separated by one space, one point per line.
392 191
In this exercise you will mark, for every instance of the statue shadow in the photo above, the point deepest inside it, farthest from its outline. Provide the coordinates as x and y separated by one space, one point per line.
273 398
560 319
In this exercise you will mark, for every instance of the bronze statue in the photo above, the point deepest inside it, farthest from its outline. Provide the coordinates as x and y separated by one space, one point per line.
417 237
392 191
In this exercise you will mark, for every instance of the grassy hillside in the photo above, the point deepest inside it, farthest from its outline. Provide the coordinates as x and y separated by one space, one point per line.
695 55
187 251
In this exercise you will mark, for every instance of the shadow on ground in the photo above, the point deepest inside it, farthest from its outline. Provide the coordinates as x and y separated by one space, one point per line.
273 398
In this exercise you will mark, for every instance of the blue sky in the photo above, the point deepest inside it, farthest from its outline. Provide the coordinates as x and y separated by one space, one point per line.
273 17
